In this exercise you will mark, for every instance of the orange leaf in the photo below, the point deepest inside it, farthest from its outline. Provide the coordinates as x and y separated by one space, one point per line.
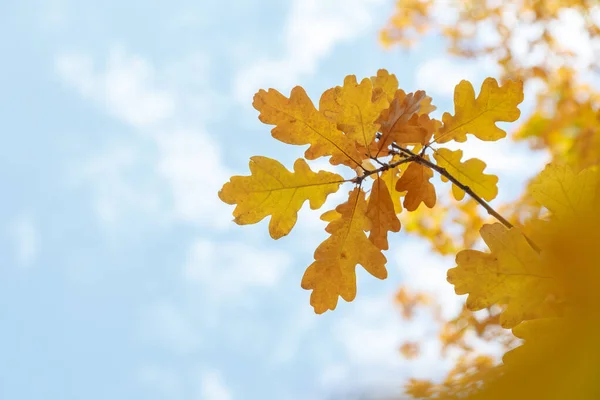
382 215
415 181
333 273
354 108
298 122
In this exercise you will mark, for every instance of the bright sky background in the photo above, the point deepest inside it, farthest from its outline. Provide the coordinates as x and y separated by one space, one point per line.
121 273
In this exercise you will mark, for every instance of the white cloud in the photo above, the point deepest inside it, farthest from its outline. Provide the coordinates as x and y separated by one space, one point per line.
213 387
186 158
312 30
226 271
191 164
126 86
26 237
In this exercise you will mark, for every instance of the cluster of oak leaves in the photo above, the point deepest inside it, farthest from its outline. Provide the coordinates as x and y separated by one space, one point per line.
543 275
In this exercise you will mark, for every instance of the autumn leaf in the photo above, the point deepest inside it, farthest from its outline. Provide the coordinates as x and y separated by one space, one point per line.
354 108
333 273
385 81
299 122
478 116
469 173
395 119
564 192
410 350
425 106
510 275
273 190
380 211
415 181
390 177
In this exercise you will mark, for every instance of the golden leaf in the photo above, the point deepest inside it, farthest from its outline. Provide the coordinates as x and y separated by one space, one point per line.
390 177
333 273
273 190
469 173
415 181
395 119
565 193
382 215
299 122
386 82
354 108
510 275
478 116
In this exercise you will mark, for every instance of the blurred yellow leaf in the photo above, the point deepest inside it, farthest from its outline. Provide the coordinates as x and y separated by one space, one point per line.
511 275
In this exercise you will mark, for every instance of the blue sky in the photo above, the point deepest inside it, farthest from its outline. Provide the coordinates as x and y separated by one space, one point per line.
121 273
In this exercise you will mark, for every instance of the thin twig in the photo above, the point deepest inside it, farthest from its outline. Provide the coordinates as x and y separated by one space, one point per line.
442 171
383 168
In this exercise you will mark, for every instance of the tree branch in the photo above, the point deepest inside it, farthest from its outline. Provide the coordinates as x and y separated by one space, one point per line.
442 171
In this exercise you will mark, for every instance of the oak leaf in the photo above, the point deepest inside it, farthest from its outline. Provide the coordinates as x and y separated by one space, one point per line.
333 273
273 190
394 120
299 122
564 192
385 81
469 173
354 108
390 177
511 275
380 211
415 181
478 116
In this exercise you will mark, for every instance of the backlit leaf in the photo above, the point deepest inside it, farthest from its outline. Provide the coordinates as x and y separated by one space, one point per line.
382 215
333 273
511 275
478 116
469 173
415 181
299 122
354 108
273 190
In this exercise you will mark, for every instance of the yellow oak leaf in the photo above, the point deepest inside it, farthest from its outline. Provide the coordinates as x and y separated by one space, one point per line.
425 106
330 215
386 82
564 192
511 275
382 215
273 190
469 173
394 119
333 273
299 122
415 181
390 177
478 116
354 108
